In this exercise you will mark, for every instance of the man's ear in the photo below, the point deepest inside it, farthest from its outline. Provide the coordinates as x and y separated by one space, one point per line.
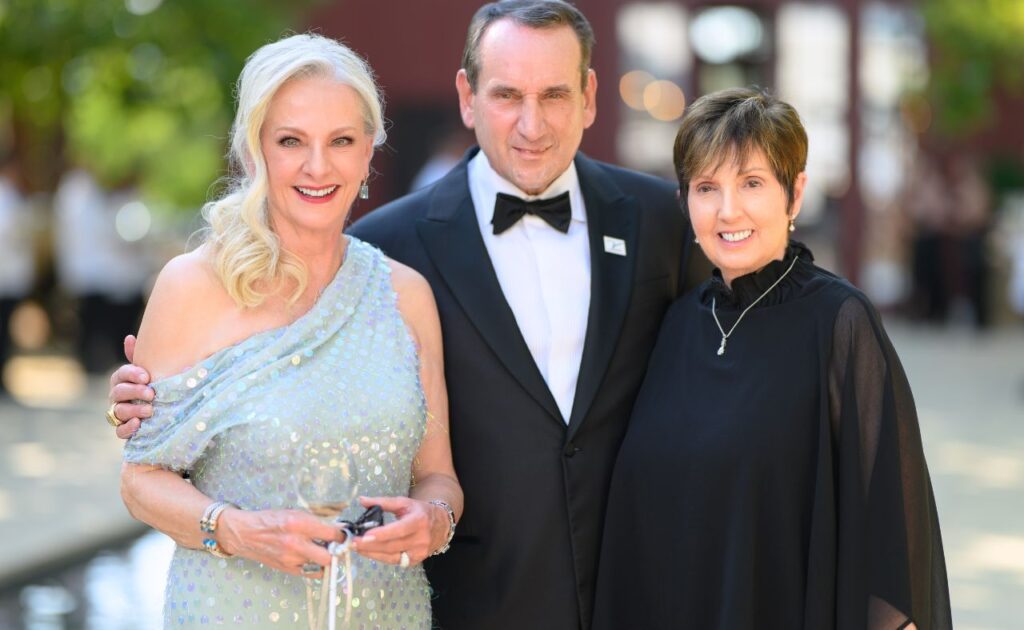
590 99
466 98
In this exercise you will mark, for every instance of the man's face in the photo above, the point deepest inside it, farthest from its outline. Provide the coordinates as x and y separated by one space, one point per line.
529 110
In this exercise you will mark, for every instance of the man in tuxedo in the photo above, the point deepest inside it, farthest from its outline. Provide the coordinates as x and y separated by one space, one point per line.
551 273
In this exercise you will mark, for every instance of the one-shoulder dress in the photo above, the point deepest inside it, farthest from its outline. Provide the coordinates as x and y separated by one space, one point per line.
348 371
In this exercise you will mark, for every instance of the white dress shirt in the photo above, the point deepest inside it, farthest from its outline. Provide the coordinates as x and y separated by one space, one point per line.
544 274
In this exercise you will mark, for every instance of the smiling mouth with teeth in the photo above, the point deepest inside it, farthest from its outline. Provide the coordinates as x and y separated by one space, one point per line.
734 237
311 192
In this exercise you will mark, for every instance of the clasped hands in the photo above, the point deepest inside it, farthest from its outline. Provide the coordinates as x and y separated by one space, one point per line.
285 540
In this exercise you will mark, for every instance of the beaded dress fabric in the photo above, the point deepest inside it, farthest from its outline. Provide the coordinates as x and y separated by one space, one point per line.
346 370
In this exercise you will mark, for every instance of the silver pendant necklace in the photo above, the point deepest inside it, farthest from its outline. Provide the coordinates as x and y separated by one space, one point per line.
725 335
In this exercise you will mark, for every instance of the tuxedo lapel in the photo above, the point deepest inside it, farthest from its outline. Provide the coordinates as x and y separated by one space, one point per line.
451 236
613 214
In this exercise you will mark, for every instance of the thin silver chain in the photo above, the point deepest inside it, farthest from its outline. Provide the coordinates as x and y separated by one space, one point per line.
725 335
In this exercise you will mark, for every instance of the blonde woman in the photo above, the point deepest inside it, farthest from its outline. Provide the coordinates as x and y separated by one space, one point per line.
280 331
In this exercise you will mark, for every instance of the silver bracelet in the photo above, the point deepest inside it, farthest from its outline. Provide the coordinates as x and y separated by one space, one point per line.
451 525
208 525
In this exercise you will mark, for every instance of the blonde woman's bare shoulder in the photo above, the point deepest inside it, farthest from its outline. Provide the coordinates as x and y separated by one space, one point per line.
188 283
192 269
186 298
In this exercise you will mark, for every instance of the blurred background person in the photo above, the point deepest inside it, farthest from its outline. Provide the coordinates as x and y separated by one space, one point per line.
450 142
17 255
948 206
1015 286
970 221
928 207
103 271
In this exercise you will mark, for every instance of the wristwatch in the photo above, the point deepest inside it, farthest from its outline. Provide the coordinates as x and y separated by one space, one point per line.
451 525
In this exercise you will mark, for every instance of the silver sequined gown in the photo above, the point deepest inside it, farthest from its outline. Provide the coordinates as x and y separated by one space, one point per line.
347 370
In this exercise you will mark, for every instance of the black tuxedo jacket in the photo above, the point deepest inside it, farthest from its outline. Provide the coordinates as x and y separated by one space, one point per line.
525 552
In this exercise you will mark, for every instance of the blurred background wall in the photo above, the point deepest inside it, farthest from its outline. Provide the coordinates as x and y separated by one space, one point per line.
114 116
886 90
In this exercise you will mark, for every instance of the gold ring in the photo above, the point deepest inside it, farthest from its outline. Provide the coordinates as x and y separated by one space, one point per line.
310 568
112 417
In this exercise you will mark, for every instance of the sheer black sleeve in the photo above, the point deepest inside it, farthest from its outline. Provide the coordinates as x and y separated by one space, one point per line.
890 570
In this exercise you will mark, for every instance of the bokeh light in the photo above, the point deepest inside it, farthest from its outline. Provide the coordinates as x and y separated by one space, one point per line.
631 88
142 7
133 221
664 100
722 34
30 326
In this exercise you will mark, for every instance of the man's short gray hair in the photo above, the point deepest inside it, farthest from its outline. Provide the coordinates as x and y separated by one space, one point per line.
531 14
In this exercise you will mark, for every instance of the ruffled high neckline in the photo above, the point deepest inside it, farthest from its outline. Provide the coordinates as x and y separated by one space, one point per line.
747 288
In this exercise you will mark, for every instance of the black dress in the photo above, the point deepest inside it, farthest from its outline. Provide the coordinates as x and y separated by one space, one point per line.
779 485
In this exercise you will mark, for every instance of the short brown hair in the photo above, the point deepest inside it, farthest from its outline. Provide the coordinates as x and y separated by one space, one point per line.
531 14
732 123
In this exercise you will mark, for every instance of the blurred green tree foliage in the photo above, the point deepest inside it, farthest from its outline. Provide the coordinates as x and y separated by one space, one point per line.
137 91
977 53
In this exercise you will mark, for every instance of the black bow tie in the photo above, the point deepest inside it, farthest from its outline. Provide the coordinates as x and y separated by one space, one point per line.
508 209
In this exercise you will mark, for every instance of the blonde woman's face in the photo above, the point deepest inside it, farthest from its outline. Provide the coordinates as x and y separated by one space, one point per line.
317 154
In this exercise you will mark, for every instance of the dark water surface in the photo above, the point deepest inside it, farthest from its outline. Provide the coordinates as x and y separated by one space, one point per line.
117 589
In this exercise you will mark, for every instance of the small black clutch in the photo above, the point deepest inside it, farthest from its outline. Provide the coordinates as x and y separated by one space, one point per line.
372 517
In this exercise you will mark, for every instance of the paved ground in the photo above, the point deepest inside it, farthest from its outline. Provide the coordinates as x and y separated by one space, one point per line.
59 498
970 397
59 467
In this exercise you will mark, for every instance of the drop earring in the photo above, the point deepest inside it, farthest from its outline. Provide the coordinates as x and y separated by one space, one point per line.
792 225
364 190
696 240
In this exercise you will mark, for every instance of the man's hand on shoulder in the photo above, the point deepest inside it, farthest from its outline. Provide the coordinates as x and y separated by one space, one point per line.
176 308
130 393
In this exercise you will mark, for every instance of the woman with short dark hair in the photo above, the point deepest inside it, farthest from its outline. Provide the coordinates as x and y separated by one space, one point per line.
772 475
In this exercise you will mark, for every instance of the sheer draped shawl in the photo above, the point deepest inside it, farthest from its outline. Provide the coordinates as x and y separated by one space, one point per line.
874 502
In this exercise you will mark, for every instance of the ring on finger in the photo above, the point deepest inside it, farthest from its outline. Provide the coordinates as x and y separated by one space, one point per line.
403 560
310 568
112 418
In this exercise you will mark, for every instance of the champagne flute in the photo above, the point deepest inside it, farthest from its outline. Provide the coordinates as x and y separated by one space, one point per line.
327 482
327 485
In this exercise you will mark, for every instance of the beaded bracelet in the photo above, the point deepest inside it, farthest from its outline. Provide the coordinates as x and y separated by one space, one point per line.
208 525
451 525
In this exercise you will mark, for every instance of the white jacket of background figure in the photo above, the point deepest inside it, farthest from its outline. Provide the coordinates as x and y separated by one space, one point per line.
17 262
1016 287
92 258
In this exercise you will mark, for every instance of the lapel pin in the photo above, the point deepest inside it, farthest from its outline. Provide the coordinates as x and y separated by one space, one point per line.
615 246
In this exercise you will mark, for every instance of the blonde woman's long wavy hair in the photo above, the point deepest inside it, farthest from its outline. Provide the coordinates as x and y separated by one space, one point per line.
247 255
